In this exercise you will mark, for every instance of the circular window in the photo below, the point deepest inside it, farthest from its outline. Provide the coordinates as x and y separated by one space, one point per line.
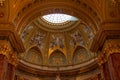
58 18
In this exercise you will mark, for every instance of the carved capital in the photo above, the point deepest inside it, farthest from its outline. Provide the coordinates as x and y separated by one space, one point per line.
110 47
10 55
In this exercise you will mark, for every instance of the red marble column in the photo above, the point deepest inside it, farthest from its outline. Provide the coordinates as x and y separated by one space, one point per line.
10 72
111 68
3 67
114 66
106 71
7 70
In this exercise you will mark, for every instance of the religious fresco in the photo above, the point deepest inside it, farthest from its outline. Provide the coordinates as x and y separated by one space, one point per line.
37 39
26 32
34 56
89 32
77 39
57 58
80 55
57 41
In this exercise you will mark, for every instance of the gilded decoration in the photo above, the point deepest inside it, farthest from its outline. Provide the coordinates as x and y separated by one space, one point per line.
57 58
34 56
56 43
114 8
110 47
53 41
55 9
11 56
80 55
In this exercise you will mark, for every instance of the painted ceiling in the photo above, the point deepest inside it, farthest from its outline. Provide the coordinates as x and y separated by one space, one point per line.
57 45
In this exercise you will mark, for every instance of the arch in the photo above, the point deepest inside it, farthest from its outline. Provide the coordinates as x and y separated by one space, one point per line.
80 55
26 16
34 56
57 58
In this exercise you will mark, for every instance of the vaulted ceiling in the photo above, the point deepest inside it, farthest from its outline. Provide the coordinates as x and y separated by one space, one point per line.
67 46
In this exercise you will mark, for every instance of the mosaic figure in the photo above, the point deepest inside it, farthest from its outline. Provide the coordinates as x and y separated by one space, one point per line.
89 32
77 39
38 39
57 41
26 32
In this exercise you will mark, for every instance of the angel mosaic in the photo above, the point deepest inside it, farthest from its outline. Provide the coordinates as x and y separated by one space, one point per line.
77 39
57 41
26 32
89 32
38 39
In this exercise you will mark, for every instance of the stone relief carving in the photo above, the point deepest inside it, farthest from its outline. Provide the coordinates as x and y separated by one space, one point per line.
37 39
9 53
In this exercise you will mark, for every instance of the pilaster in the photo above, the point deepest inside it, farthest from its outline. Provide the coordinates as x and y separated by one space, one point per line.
10 47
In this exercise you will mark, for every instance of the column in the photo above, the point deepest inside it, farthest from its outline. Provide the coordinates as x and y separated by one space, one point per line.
8 61
10 46
109 60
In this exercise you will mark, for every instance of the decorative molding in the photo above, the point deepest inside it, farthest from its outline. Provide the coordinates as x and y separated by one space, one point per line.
41 9
65 70
114 9
110 47
7 32
107 31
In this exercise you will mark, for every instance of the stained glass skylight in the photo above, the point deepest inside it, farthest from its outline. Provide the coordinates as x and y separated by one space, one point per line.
58 18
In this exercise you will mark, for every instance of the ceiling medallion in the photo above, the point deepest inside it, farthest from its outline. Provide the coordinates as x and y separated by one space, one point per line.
58 18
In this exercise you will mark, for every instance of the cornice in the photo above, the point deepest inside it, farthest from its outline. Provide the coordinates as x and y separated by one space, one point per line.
51 71
60 28
107 31
7 32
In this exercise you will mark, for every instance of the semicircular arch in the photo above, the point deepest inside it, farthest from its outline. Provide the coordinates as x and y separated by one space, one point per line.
33 55
33 12
57 58
80 55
